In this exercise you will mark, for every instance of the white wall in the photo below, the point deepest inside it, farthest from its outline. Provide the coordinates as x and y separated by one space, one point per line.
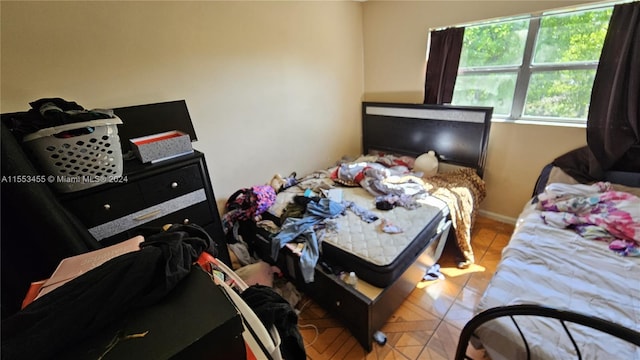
395 45
271 86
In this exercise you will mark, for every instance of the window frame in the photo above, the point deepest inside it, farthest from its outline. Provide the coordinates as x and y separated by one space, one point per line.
527 68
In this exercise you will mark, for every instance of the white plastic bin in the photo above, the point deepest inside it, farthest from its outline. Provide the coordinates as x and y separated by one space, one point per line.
71 163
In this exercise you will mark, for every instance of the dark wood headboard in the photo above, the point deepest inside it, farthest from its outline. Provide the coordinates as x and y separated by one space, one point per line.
458 134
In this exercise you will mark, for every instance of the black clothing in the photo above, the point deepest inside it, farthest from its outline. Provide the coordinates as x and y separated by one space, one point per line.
272 309
85 305
50 112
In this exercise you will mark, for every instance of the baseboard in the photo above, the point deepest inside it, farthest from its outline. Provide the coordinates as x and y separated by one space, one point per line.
497 217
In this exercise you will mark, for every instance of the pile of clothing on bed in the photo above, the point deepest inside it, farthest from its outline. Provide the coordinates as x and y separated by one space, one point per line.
307 214
392 177
596 212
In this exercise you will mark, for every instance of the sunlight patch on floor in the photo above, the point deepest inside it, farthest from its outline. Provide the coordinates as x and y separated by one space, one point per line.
454 271
448 272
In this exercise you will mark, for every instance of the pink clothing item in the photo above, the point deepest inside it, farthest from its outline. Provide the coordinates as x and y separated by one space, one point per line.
595 212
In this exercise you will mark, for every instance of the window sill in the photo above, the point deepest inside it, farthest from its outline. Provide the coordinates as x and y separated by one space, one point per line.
539 122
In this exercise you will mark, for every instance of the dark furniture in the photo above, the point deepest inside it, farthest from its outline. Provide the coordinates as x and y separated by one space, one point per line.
364 309
176 191
40 227
37 231
565 318
459 135
195 321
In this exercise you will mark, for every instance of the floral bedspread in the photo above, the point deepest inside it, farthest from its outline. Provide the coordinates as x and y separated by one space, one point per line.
595 212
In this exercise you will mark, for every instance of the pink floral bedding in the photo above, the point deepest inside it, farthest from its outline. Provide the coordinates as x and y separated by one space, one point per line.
595 212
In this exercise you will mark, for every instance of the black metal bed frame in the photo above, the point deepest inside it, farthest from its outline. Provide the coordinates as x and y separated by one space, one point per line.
563 317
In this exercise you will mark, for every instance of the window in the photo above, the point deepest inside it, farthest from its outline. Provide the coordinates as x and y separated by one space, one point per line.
540 68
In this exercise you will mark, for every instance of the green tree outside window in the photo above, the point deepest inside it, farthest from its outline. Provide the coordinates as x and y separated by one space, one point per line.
538 68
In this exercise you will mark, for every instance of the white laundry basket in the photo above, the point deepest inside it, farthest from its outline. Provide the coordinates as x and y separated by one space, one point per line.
76 162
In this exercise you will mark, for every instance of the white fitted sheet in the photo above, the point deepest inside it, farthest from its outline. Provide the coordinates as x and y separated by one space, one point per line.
366 240
558 268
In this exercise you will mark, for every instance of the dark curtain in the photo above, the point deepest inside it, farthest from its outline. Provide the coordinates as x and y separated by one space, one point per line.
613 123
442 65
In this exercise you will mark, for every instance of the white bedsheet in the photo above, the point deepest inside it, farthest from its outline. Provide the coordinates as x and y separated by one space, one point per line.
366 240
558 268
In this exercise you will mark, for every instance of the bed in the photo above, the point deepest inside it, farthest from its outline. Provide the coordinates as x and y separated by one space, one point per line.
388 264
562 292
356 245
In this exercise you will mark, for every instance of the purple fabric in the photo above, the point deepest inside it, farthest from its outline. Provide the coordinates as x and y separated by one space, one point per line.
265 196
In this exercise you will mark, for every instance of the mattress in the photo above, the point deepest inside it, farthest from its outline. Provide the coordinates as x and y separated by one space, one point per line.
556 267
377 257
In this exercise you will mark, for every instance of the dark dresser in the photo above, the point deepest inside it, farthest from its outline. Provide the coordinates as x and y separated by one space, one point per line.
41 226
148 196
195 321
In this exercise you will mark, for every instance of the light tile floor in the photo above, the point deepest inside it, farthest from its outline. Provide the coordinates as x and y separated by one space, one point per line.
427 325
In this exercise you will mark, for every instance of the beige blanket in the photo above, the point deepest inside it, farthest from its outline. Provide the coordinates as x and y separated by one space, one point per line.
463 191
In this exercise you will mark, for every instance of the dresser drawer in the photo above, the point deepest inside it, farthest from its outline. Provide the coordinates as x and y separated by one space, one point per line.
105 206
339 297
199 214
149 215
171 184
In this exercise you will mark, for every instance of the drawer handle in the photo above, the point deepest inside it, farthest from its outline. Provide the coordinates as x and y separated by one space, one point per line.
107 207
148 216
174 185
186 221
